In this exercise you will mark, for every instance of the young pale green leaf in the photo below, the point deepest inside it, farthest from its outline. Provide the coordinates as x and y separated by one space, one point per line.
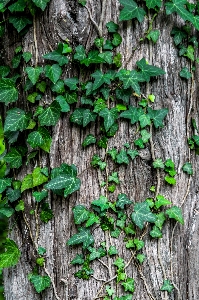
114 178
148 71
175 213
27 183
141 258
89 139
81 214
128 285
122 200
132 153
184 73
38 177
50 115
153 3
144 120
142 214
16 119
157 116
122 157
167 286
112 250
145 135
82 237
138 243
40 282
131 11
19 22
187 168
8 91
92 219
53 72
170 180
109 116
11 256
161 200
41 3
34 73
20 206
156 232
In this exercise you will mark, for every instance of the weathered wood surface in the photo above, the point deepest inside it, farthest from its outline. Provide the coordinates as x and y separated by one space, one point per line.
67 20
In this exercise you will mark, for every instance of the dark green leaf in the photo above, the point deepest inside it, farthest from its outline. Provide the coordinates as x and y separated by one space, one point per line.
81 214
46 213
122 157
112 27
82 237
179 35
175 213
50 115
185 73
133 113
72 83
153 3
27 56
34 73
8 91
41 3
78 260
187 168
102 202
160 220
109 116
156 232
16 119
142 214
40 282
53 72
39 196
167 286
153 35
89 139
117 39
131 11
122 200
80 53
148 71
19 22
17 6
13 195
178 7
57 56
158 116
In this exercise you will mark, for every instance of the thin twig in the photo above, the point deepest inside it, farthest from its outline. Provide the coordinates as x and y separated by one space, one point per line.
145 283
53 284
35 40
93 21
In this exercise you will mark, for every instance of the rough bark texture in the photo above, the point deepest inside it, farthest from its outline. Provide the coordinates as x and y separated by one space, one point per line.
67 20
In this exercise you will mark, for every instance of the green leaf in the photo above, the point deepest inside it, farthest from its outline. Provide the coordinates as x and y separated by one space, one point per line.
19 22
80 53
119 263
142 214
11 256
102 143
153 35
17 6
72 83
130 244
16 119
132 153
78 260
128 285
34 73
112 27
167 286
161 201
102 203
109 116
117 39
7 211
46 213
187 168
148 71
170 180
27 183
80 213
40 138
41 250
178 7
114 178
14 158
141 258
144 120
8 91
153 3
27 56
39 196
93 58
122 157
139 143
89 139
156 232
109 290
4 71
20 206
175 213
41 3
179 35
158 163
13 195
112 250
82 116
107 56
82 2
184 73
82 237
38 177
50 115
130 79
53 72
129 229
133 113
122 200
145 135
40 282
160 220
139 244
57 56
92 219
158 116
131 11
4 183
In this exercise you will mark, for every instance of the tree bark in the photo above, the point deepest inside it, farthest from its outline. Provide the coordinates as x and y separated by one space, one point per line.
176 255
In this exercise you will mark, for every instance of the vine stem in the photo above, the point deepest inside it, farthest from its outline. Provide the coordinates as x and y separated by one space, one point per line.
145 283
30 231
35 40
53 284
93 22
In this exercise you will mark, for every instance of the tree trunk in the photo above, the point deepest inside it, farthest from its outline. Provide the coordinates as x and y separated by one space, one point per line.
175 256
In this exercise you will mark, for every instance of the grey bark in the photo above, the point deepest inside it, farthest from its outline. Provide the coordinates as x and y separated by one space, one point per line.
67 20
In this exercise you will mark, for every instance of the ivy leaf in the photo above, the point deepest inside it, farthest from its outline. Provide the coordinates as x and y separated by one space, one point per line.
187 168
145 135
20 206
102 202
153 35
57 56
122 157
88 116
133 113
80 213
89 139
107 56
119 263
72 83
117 39
27 183
109 116
170 180
41 3
158 163
156 232
63 103
139 244
78 260
46 213
4 183
148 71
184 73
161 200
158 116
122 200
80 53
141 258
132 153
53 72
19 22
128 285
112 251
13 195
40 282
131 11
167 286
93 58
82 116
50 115
144 120
82 237
8 91
39 196
40 138
11 256
16 119
142 214
178 7
14 158
35 139
27 56
34 73
38 177
175 213
153 3
130 79
112 27
17 6
92 219
160 220
114 178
